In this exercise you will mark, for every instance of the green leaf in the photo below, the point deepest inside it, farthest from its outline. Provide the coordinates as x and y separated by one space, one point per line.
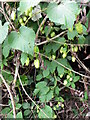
24 80
75 111
60 70
3 31
57 89
24 40
19 115
73 85
72 34
41 85
47 30
6 48
26 4
18 106
23 58
53 67
25 105
88 18
61 99
6 110
7 75
68 84
44 90
39 77
49 95
85 95
48 111
36 91
54 46
9 116
76 78
46 96
27 112
4 62
61 39
64 13
16 99
84 30
64 62
42 98
81 39
46 72
48 47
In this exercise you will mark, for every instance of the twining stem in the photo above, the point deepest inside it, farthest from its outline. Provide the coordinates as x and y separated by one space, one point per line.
65 66
40 27
34 15
11 96
31 98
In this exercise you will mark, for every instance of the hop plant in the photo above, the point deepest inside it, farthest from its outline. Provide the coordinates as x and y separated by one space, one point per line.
79 28
27 61
64 55
13 15
76 49
20 20
36 63
24 18
65 82
73 59
52 34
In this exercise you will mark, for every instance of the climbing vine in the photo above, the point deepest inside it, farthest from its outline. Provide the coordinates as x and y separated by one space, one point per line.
41 67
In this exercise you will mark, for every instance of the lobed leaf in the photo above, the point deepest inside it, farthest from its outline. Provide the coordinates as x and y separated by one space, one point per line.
23 41
64 13
3 31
